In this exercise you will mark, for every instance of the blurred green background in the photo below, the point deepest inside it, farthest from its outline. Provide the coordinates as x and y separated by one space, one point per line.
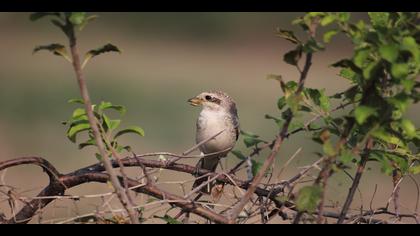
166 59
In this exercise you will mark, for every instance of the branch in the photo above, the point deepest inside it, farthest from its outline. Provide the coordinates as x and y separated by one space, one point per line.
276 147
121 193
356 181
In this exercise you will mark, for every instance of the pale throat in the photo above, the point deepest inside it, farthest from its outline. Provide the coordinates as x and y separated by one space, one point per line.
212 120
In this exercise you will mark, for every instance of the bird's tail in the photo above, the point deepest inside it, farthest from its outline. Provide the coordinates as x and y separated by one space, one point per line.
207 164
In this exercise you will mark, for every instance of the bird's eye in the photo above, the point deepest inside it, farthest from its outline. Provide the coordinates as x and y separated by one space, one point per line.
208 97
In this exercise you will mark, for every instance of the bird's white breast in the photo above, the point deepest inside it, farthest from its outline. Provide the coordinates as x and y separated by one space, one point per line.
211 122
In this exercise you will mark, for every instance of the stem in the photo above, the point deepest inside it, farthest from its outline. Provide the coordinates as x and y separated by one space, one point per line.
94 126
356 181
276 147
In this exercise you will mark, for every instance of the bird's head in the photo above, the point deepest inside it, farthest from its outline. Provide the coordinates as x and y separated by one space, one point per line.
214 100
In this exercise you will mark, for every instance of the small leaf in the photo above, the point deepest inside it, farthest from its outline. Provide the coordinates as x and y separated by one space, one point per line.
278 121
329 34
313 46
344 16
77 18
86 21
38 15
281 103
408 128
292 57
248 134
399 70
360 57
78 112
383 135
414 169
328 149
107 105
288 35
90 142
239 155
55 48
308 198
409 44
348 74
251 141
256 166
328 19
346 156
74 130
132 129
95 52
362 113
319 98
379 19
76 100
114 124
389 52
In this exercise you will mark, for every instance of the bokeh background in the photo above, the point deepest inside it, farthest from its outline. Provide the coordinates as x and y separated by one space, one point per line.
166 59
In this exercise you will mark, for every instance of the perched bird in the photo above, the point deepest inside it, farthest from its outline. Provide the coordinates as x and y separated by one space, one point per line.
218 116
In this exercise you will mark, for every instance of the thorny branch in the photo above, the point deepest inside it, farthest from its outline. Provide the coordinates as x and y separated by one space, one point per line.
59 183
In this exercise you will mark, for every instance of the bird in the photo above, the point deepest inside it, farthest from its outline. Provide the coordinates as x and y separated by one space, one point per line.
218 117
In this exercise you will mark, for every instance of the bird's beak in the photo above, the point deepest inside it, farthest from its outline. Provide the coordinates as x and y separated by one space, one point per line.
195 101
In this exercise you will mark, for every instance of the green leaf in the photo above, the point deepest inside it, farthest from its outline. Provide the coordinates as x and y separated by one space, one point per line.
408 128
132 129
107 105
74 130
362 113
360 57
168 219
371 70
77 18
319 98
95 52
76 100
389 52
400 101
248 134
348 74
256 166
414 169
329 34
55 48
328 149
379 18
114 124
409 44
251 141
344 16
292 57
346 156
328 19
399 70
308 198
312 46
86 21
385 136
38 15
90 142
281 103
288 35
278 121
109 124
386 166
78 112
239 155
